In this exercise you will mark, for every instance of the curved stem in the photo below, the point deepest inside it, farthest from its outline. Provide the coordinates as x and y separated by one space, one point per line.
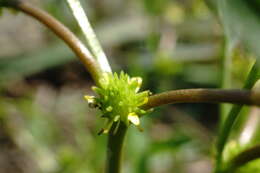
114 148
65 34
234 96
243 158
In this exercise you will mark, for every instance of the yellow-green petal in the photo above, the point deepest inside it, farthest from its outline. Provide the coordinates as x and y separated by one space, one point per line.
134 119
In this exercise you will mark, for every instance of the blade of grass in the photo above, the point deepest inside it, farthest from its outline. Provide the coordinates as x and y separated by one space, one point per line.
241 22
242 159
89 33
226 73
232 116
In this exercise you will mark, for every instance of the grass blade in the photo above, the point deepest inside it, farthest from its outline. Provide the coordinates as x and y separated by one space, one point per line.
89 33
233 114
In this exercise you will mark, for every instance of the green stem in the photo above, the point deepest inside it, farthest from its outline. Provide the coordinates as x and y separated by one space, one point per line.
243 158
232 116
114 148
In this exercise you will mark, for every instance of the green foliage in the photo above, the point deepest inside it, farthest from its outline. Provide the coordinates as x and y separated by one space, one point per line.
251 167
155 6
119 100
232 149
232 116
118 97
254 5
241 22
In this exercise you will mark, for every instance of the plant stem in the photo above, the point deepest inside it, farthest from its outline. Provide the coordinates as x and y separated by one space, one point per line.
234 96
65 34
243 158
114 148
225 129
90 35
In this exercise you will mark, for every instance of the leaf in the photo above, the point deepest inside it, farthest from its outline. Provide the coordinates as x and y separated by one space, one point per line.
89 33
226 128
241 22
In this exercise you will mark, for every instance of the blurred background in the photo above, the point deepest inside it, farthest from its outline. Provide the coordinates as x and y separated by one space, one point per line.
46 125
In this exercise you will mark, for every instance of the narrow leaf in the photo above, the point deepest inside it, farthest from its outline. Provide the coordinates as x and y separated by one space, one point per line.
241 23
90 35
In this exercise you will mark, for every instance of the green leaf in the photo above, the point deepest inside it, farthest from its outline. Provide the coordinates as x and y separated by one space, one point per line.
89 33
232 116
241 22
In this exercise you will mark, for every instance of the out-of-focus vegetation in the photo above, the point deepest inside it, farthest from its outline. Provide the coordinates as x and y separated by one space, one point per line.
45 124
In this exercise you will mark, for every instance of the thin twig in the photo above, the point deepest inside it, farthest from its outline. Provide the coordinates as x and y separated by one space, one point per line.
65 34
234 96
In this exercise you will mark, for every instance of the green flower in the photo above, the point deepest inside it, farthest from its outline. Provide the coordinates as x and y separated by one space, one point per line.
119 100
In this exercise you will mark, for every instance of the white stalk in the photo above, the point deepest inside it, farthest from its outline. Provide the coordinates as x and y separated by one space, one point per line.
89 33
